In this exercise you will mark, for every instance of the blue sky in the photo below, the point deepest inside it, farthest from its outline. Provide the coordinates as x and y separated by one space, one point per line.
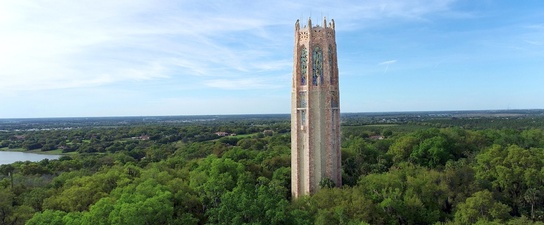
68 58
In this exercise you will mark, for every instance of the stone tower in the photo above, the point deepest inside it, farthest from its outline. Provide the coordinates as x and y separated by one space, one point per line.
315 110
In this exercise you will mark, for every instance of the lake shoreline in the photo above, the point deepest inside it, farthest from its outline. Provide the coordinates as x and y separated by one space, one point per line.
52 152
9 157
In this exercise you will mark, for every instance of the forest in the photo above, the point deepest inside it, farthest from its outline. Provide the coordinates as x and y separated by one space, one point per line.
428 168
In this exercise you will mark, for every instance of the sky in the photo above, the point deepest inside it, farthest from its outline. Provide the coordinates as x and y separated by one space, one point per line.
65 58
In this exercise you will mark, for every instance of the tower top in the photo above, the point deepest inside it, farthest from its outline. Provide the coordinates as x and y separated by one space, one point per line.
330 25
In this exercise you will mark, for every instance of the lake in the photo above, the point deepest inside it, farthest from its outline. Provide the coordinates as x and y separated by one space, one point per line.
11 157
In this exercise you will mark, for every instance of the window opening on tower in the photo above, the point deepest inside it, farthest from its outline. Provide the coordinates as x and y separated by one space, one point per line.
331 68
317 66
303 65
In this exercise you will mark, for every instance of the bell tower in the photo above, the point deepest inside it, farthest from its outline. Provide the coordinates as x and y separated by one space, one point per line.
315 110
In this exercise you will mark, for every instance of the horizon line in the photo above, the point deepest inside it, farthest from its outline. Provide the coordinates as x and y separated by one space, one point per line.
254 114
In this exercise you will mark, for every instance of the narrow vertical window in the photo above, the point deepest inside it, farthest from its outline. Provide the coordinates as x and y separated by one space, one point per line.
334 99
317 66
302 99
303 117
303 65
331 63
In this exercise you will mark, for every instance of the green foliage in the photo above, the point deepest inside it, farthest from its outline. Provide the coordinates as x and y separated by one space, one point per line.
481 207
326 183
524 221
145 203
47 217
215 176
80 193
432 152
426 170
459 177
514 173
361 157
409 194
261 203
402 148
341 206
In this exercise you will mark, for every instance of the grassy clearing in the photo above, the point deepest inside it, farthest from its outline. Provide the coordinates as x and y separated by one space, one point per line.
241 136
379 128
53 152
244 135
12 149
381 125
38 151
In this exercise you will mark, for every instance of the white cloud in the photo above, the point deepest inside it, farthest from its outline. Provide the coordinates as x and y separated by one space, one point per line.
230 45
387 62
82 43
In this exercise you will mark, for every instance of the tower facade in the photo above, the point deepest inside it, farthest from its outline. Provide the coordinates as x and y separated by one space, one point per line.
315 109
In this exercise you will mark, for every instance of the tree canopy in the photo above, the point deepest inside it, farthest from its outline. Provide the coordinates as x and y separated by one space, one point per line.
420 171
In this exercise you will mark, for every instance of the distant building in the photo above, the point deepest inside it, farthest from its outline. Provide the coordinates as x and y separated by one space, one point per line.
222 134
315 110
377 137
142 137
20 137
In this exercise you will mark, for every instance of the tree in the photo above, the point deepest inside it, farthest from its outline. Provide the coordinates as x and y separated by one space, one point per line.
361 158
34 198
523 221
402 148
406 195
510 172
262 203
47 217
481 206
432 152
6 206
145 203
326 183
8 169
215 176
81 192
342 206
459 177
532 197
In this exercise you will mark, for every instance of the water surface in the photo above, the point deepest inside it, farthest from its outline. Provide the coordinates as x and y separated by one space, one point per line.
11 157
